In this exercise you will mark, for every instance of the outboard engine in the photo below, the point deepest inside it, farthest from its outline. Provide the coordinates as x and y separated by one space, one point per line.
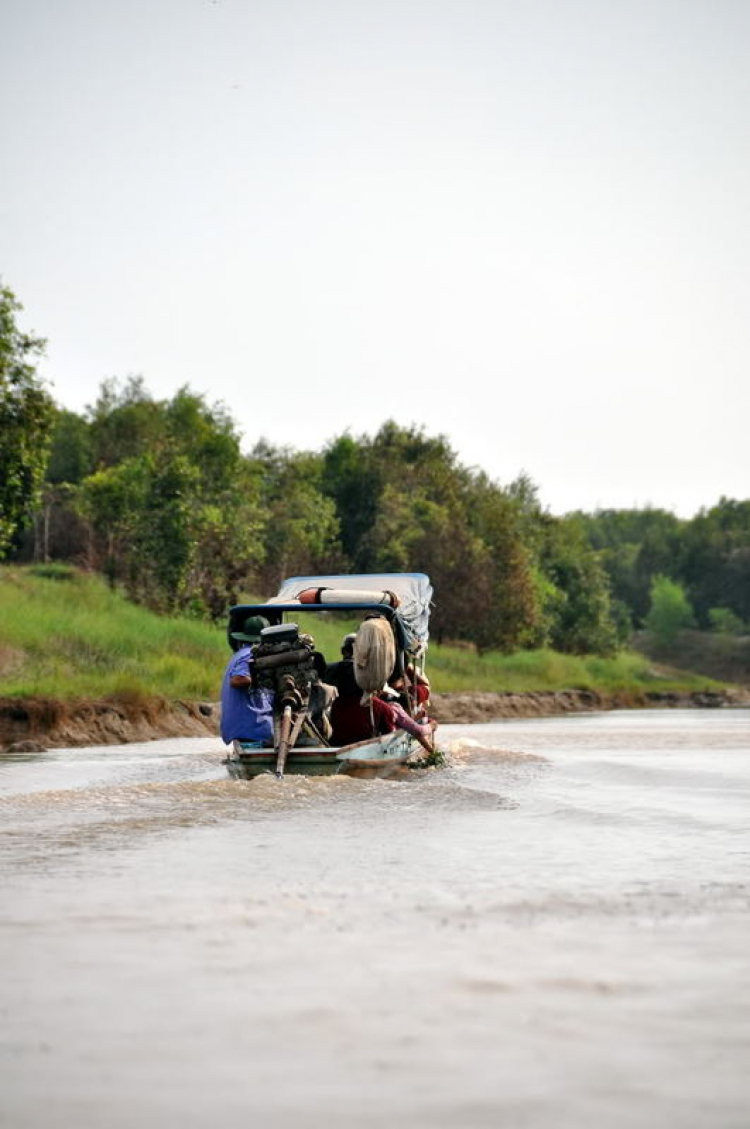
284 663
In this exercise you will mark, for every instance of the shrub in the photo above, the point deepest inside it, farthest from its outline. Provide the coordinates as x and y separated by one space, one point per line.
670 610
724 621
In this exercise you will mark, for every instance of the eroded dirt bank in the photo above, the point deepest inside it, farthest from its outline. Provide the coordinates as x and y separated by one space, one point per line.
462 708
34 724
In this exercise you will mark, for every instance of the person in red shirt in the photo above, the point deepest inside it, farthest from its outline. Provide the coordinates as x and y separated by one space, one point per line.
398 718
419 691
351 721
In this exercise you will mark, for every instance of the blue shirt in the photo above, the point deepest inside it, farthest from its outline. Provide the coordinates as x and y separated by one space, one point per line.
246 714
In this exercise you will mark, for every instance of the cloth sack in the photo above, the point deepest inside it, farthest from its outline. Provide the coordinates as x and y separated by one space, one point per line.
374 656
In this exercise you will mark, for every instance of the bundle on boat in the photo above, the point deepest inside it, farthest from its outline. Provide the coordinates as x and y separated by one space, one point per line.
374 655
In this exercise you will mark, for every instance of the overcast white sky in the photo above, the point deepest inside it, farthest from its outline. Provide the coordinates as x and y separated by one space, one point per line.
524 225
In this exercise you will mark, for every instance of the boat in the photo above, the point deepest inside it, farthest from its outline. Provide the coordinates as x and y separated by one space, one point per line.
380 756
285 661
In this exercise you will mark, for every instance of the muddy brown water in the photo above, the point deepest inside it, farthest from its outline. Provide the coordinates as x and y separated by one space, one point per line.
551 931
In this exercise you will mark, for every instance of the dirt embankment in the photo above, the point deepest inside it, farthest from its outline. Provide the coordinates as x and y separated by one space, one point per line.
35 724
460 708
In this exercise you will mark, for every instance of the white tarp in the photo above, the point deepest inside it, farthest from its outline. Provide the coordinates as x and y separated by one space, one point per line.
412 588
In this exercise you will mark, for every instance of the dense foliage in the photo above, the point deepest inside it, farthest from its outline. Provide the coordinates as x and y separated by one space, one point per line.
158 496
707 557
25 417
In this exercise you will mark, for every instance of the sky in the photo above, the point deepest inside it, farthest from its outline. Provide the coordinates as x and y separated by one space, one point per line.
521 225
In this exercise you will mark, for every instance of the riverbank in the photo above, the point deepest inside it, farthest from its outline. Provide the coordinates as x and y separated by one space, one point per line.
36 724
459 709
73 639
80 665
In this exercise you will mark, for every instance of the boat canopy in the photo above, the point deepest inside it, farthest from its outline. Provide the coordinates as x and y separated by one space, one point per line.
368 591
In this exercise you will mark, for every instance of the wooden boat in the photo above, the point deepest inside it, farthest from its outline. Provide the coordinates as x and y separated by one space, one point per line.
378 757
402 599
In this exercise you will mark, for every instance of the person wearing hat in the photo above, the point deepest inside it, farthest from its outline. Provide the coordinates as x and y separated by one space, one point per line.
246 712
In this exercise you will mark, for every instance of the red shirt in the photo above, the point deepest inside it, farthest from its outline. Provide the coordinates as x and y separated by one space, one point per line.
350 721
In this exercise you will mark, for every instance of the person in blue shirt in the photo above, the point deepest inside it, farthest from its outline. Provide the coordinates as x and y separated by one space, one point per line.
246 713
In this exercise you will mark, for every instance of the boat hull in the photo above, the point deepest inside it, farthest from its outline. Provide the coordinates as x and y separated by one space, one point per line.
380 756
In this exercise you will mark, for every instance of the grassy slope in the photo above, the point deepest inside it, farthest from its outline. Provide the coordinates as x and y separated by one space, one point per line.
64 634
628 672
72 637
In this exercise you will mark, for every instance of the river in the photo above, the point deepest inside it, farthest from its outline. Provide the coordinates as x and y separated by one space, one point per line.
551 931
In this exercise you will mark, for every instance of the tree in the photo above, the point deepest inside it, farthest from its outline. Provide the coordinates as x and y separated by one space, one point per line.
206 434
633 546
351 481
724 622
111 501
125 422
164 536
670 611
396 530
70 458
229 549
456 560
405 504
362 476
174 509
581 619
504 595
25 421
715 559
301 531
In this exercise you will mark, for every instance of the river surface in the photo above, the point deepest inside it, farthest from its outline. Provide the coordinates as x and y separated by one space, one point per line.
552 931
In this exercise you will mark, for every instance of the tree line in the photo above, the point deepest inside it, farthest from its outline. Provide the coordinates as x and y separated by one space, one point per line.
158 495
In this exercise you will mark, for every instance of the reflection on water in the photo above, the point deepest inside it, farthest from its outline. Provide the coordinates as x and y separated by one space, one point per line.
551 931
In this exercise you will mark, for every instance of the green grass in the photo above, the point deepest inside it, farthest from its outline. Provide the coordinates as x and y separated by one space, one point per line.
73 637
64 634
452 669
